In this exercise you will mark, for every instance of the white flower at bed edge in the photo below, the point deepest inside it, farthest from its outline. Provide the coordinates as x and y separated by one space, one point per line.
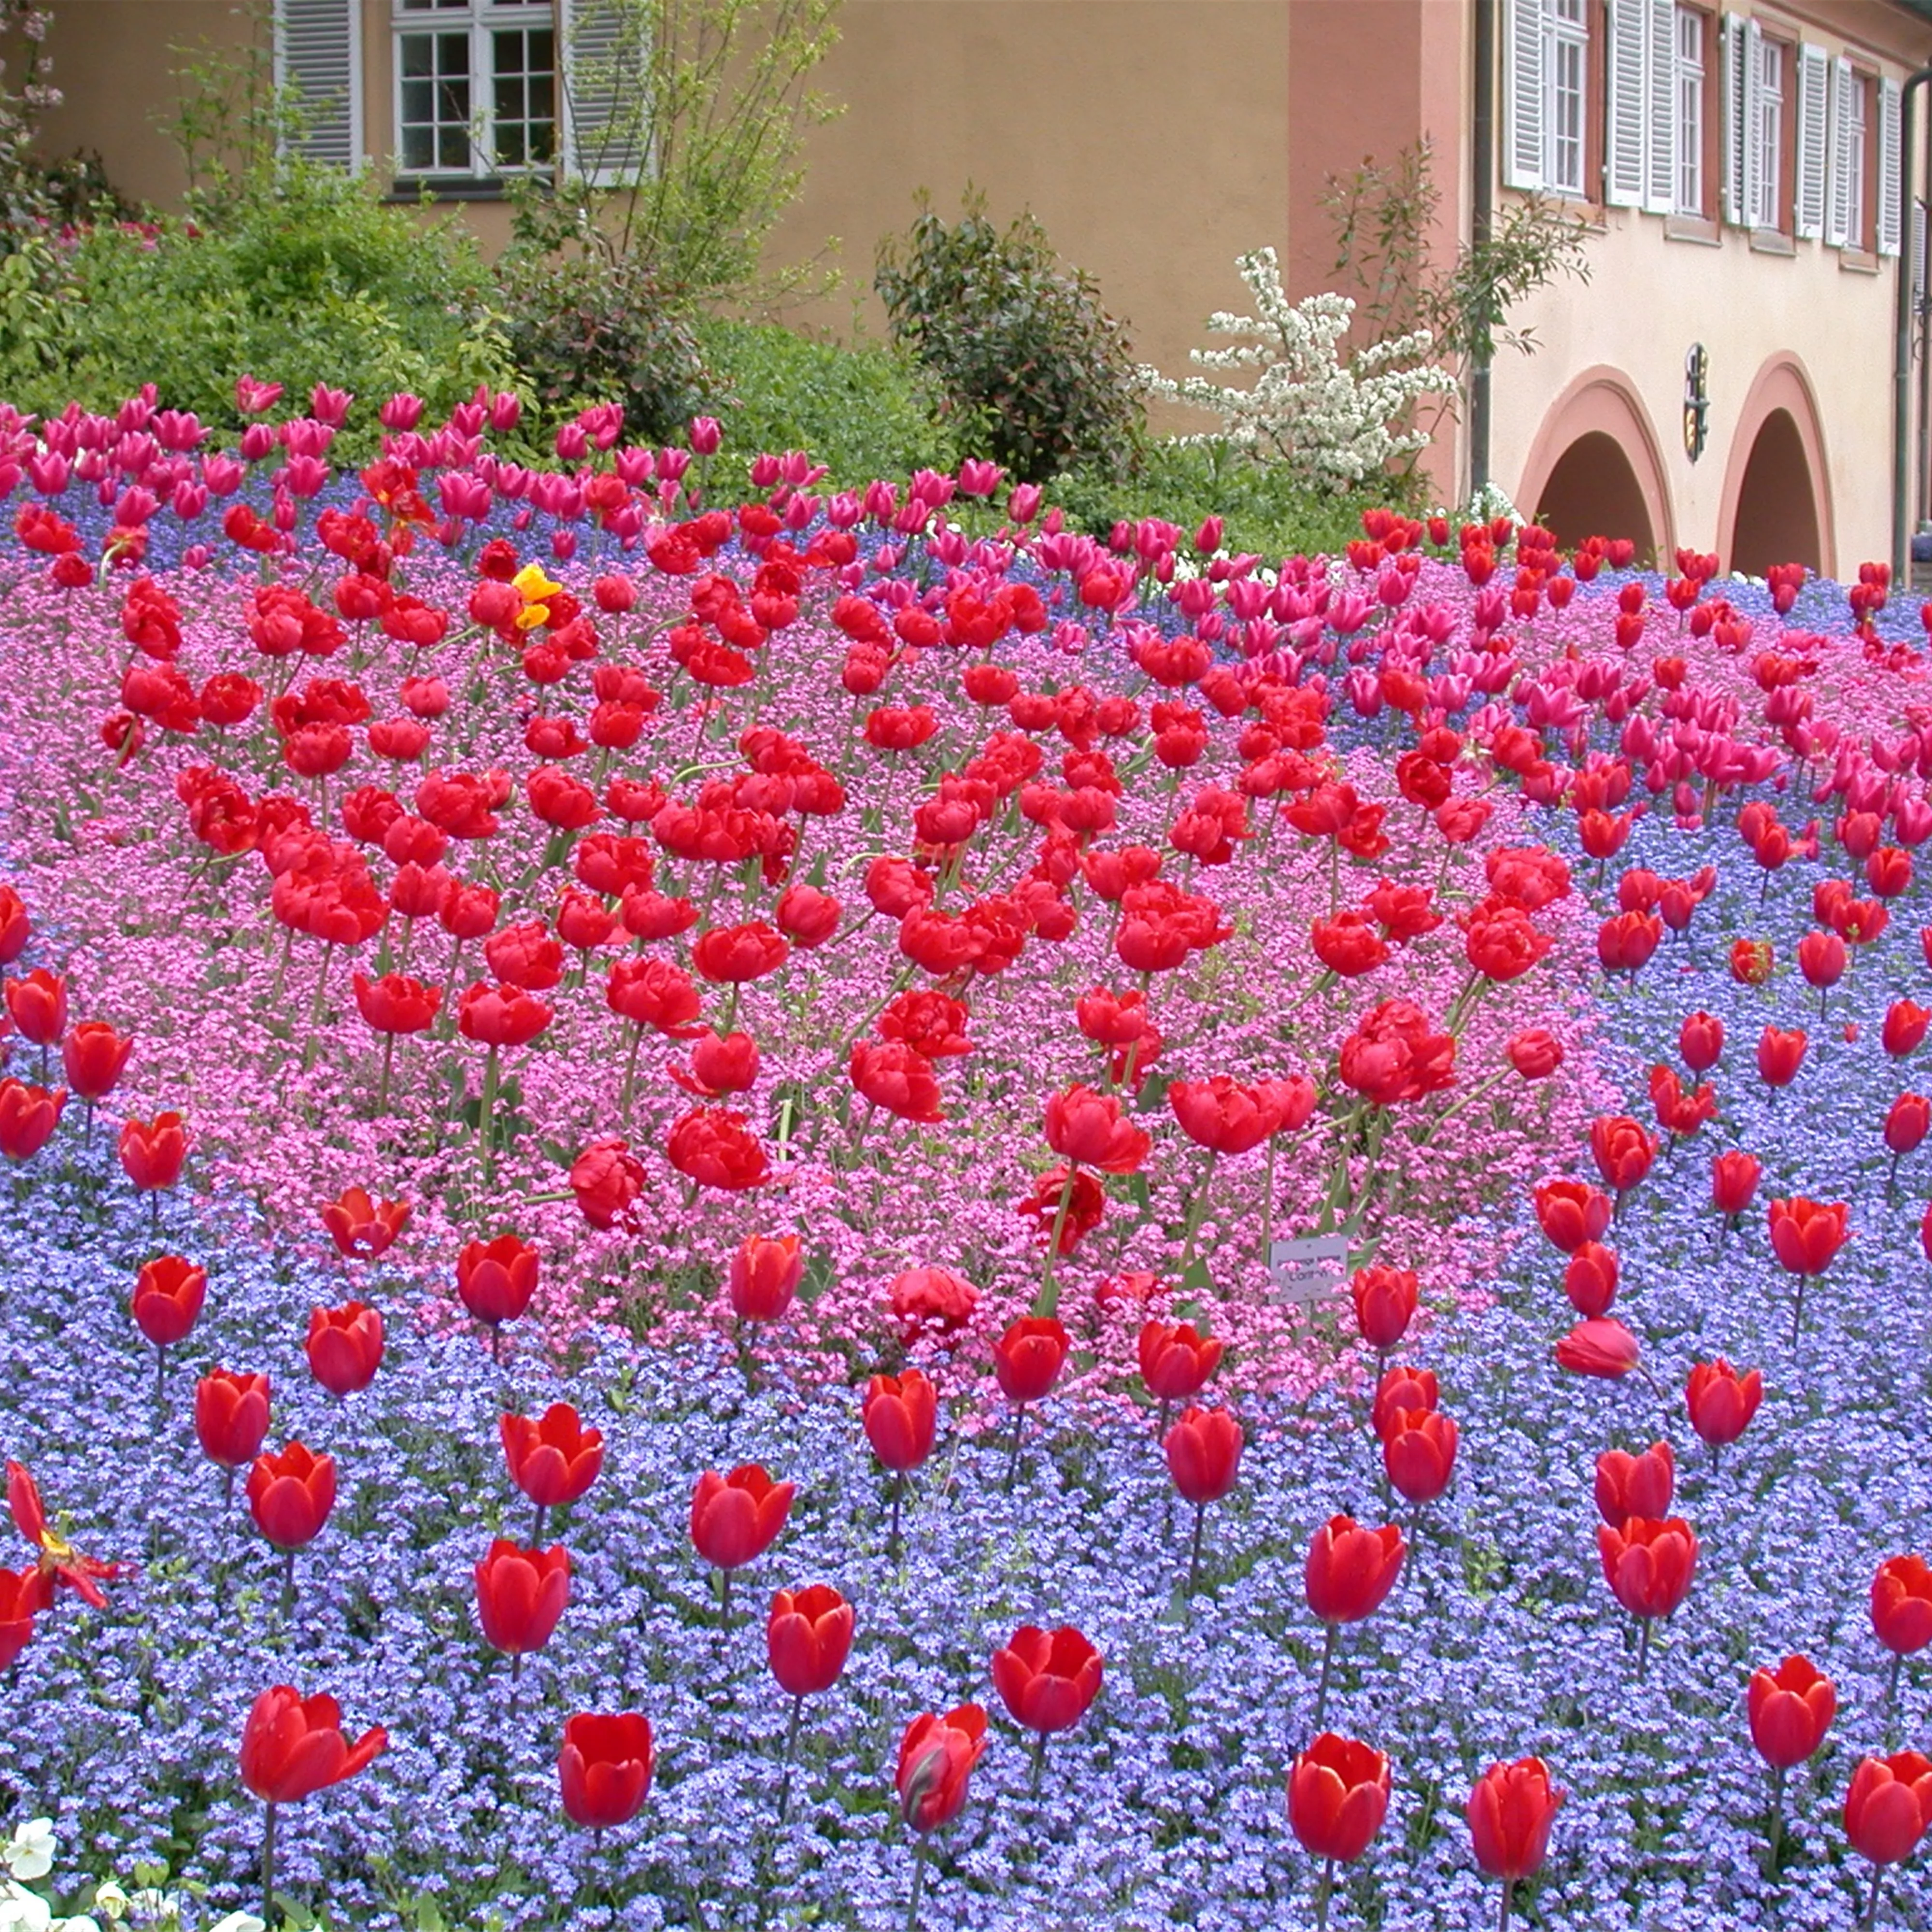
29 1854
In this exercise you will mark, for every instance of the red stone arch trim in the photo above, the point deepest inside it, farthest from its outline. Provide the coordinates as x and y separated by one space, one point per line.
1780 384
1603 399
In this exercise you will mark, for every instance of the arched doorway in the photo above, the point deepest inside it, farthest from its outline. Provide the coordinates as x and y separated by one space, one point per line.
1777 502
1595 468
1776 517
1593 491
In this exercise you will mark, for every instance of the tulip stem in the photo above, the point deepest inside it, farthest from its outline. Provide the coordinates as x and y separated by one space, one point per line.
724 1601
485 1108
516 1686
1267 1202
268 1864
790 1751
1643 1649
288 1584
1039 1763
1199 1214
1160 1421
1194 1555
1776 1833
383 1085
161 1387
1871 1905
1509 1899
1797 1311
1047 1300
918 1885
1891 1696
1327 1667
892 1533
1322 1892
1013 1460
537 1528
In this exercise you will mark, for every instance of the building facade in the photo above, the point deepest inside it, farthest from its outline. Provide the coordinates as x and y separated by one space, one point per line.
1722 380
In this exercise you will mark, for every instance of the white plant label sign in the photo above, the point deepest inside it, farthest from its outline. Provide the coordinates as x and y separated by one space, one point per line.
1308 1270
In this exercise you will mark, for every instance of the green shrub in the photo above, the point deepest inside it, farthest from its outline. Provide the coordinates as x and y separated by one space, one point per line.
1265 510
863 413
1040 377
308 278
597 329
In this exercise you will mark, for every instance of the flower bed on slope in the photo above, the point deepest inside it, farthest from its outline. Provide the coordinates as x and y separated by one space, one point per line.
155 859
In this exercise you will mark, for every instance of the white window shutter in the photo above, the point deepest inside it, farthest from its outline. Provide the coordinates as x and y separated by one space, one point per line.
1814 72
318 59
1839 217
1623 123
1525 53
605 68
1660 106
1738 145
1918 225
1887 167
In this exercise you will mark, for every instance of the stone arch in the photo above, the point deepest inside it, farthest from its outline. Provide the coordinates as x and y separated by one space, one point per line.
1776 504
1595 469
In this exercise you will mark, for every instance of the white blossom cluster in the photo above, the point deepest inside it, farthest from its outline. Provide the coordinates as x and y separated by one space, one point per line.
28 1855
1330 421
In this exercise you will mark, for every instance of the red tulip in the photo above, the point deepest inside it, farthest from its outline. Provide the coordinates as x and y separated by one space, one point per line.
1204 1454
1590 1280
735 1518
152 1151
808 1638
1570 1212
360 1226
28 1116
500 1016
1734 1177
1401 1388
712 1147
1222 1115
1622 1151
520 1595
19 1597
293 1746
1337 1794
1901 1604
231 1416
1350 1569
554 1459
1701 1042
1790 1709
1603 1347
1509 1812
1385 1301
1028 1359
1176 1361
38 1005
1419 1453
1628 1485
1535 1053
1780 1055
1722 1401
167 1300
765 1274
604 1768
496 1280
900 1416
606 1178
1821 959
937 1756
1805 1235
93 1057
1887 1808
1047 1680
290 1494
15 928
1648 1563
396 1004
1090 1130
1904 1030
1906 1125
345 1346
735 954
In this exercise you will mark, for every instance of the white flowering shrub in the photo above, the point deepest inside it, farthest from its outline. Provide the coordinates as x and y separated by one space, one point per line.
1335 423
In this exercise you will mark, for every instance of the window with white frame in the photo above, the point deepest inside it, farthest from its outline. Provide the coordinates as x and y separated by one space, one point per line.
1767 133
1854 162
1687 76
1567 69
475 85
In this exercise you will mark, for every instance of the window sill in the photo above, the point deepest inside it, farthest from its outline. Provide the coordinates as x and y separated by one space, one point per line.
1772 241
1857 262
1696 228
408 190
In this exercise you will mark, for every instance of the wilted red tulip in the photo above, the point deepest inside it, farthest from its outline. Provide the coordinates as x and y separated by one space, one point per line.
93 1057
604 1768
167 1300
1901 1604
231 1417
19 1597
1510 1810
1570 1212
735 1519
1628 1485
1603 1347
360 1226
1648 1564
1047 1681
1751 961
520 1595
765 1274
1722 1401
1887 1810
937 1756
152 1151
552 1459
345 1346
57 1559
292 1748
1419 1453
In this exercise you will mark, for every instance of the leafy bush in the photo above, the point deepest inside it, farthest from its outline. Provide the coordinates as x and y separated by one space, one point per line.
1039 375
1265 509
598 329
863 413
308 278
